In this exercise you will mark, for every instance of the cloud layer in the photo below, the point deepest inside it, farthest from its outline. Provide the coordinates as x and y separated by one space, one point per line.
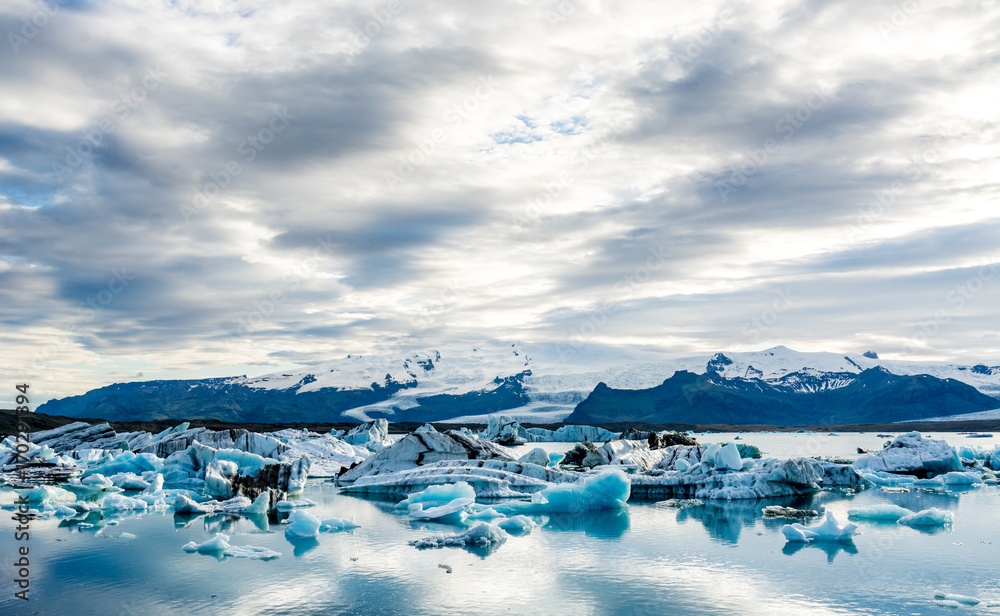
193 188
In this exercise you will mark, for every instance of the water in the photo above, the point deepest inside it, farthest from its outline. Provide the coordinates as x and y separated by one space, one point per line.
722 558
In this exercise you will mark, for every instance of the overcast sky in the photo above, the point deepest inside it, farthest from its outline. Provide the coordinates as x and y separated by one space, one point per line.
229 187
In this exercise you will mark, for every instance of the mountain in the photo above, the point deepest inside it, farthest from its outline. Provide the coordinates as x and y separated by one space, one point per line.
874 395
533 382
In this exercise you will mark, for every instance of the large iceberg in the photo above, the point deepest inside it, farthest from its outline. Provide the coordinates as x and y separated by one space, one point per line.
913 454
420 448
766 478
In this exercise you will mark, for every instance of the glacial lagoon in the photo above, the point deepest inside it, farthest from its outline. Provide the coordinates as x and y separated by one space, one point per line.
717 558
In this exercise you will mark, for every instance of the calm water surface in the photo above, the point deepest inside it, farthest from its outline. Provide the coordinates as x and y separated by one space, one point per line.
722 558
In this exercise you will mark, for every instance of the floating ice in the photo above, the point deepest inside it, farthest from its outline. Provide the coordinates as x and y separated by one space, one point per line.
605 490
535 456
287 505
828 530
912 452
517 524
883 478
481 512
44 494
302 524
331 525
251 552
962 599
880 513
556 458
435 496
218 543
961 478
481 535
119 502
451 511
929 517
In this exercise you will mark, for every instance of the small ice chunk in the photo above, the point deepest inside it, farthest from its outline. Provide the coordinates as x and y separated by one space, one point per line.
287 505
331 525
251 552
183 504
434 496
453 510
517 524
218 543
828 530
682 465
555 459
481 535
882 512
481 512
119 502
929 517
963 599
302 524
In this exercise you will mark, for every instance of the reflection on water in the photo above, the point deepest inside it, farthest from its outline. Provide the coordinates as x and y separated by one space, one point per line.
832 548
717 558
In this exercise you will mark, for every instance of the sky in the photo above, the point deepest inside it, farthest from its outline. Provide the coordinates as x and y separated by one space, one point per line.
230 187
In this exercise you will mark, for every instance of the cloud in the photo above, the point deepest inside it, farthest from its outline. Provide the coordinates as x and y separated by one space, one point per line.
285 182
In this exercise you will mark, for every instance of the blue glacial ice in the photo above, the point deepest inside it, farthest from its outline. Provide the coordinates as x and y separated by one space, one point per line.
879 513
929 517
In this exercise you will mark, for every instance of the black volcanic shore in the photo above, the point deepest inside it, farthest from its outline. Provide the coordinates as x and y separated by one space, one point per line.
41 421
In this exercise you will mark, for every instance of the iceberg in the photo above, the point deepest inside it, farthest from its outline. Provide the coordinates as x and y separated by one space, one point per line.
287 505
518 524
914 454
929 517
422 448
218 543
452 511
481 535
535 456
879 513
605 490
960 599
331 525
373 435
251 552
828 530
302 524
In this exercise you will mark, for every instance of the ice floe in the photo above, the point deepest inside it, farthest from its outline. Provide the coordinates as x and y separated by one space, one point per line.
828 530
481 535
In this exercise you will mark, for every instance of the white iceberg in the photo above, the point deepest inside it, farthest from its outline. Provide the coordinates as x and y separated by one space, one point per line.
481 535
251 552
218 543
451 511
330 525
828 530
288 505
912 453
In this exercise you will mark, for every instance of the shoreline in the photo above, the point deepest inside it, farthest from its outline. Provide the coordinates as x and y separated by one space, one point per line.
41 421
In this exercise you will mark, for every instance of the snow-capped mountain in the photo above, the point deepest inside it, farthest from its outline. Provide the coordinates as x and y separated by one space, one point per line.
533 382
